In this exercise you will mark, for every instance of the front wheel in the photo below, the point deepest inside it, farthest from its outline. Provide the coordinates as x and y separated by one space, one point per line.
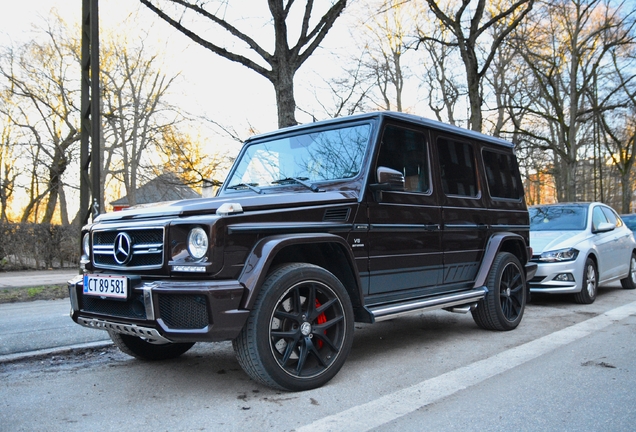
503 306
630 281
147 350
300 330
589 285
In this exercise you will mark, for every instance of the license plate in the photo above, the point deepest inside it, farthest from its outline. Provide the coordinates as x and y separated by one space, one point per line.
106 286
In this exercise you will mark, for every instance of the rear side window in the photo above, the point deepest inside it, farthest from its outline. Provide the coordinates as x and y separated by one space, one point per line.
457 163
502 174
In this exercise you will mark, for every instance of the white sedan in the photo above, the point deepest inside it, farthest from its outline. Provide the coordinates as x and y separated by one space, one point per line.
579 246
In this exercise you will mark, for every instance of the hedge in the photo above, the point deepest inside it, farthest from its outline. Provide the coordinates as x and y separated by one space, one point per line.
28 246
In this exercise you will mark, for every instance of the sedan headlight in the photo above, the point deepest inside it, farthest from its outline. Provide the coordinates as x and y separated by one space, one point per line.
560 255
197 243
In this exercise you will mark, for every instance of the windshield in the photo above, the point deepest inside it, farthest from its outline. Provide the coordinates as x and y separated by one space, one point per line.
558 218
305 158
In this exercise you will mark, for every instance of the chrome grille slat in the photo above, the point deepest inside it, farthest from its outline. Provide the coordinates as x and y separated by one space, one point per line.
147 248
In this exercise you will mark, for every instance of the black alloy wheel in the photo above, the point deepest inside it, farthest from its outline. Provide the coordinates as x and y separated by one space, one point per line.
505 302
300 331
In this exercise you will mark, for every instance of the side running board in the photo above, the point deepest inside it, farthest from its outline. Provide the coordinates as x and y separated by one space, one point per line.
392 310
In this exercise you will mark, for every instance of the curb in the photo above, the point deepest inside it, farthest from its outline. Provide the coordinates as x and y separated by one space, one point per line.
8 358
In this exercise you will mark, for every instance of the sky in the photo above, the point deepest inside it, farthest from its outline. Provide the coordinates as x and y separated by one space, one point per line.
226 92
222 90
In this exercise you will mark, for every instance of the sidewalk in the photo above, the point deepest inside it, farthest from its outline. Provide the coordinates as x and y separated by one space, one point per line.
32 278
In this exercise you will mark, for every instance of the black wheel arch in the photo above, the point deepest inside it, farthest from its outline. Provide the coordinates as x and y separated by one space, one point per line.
328 251
501 242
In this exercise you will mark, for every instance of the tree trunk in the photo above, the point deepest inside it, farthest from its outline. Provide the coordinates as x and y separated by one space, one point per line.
285 101
626 192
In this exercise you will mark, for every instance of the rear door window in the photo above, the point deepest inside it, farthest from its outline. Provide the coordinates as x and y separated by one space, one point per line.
457 165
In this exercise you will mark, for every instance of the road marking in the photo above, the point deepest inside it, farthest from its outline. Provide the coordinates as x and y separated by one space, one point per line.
395 405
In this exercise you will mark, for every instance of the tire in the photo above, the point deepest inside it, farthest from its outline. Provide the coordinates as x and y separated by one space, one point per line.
144 350
503 306
630 281
300 330
589 286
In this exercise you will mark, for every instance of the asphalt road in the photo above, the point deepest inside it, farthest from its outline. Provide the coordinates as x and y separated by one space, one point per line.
567 367
40 325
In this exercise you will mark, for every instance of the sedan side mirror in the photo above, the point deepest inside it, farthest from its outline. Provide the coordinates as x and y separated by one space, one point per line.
604 227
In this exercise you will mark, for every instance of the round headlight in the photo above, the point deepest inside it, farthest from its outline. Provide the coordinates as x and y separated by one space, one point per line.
86 244
197 243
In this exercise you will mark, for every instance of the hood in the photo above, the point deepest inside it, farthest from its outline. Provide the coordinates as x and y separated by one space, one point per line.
543 241
203 206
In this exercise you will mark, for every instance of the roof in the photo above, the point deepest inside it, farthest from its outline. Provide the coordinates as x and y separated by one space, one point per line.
166 187
380 115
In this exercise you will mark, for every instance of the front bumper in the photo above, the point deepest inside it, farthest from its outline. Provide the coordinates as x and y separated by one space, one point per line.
165 310
546 280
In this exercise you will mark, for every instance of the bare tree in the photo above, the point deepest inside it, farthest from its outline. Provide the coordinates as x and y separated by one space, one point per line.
471 35
184 156
563 47
439 76
135 113
278 66
39 82
385 48
619 126
9 170
347 93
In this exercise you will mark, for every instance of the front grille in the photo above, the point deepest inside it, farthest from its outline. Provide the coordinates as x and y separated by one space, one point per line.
182 311
537 279
146 253
133 308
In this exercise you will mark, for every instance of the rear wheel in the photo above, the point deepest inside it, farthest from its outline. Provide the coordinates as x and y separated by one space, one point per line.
300 330
503 306
589 287
630 281
145 349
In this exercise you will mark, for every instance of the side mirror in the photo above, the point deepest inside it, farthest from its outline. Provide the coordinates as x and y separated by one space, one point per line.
388 180
604 227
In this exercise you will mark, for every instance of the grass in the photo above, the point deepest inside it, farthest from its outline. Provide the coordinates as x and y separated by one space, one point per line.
42 292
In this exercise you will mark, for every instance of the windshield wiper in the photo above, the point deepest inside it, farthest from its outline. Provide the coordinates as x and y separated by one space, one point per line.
299 180
251 186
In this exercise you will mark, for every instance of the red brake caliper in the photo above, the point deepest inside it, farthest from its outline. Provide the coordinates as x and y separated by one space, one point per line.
320 320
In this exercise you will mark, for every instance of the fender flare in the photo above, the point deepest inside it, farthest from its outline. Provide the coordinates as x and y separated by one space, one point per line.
265 250
492 249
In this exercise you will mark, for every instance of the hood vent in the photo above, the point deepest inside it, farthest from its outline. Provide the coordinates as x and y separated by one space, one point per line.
337 214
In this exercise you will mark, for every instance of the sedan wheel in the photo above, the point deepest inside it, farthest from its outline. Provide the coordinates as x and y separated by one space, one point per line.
590 284
630 281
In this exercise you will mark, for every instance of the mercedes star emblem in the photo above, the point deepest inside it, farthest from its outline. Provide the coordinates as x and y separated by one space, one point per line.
123 248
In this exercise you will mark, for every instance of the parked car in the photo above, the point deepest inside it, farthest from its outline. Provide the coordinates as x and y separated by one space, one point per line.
578 247
630 220
361 218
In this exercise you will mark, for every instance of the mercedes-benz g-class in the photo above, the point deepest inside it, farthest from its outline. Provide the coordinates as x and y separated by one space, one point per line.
317 226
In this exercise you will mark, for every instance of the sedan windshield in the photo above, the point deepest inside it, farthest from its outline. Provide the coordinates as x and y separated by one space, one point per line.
558 218
302 159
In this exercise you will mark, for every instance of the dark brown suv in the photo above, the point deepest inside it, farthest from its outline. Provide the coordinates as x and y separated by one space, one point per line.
363 218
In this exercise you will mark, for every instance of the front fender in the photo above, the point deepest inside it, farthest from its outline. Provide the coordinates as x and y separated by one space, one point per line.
264 252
